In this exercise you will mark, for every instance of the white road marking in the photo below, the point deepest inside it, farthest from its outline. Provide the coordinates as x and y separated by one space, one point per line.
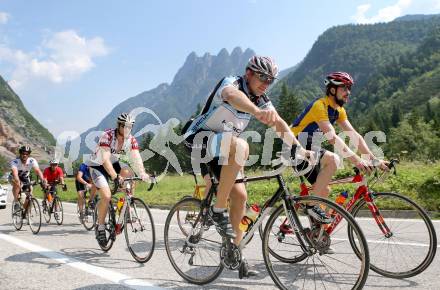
106 274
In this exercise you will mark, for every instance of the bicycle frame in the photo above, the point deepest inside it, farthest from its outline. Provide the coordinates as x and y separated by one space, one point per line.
128 193
282 194
361 192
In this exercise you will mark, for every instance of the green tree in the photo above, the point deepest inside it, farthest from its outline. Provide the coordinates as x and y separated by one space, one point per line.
289 105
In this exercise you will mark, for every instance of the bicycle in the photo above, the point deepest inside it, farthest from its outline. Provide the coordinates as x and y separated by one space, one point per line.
383 228
134 217
52 204
200 256
30 209
87 219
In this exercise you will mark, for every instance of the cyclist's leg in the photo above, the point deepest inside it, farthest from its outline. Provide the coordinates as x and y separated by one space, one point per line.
15 187
100 181
236 151
80 188
327 167
93 191
205 173
237 208
320 176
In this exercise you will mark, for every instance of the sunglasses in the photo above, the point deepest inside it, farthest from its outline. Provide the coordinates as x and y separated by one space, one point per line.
265 78
346 88
125 126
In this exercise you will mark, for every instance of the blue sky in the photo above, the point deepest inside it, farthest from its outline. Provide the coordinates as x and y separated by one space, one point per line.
71 62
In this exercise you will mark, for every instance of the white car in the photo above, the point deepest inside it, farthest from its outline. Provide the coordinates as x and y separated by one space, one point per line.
3 196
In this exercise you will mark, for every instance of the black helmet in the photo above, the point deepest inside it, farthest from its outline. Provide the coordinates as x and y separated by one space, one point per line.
25 148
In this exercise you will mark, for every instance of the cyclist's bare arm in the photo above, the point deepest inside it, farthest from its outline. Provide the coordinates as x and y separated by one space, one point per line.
330 133
15 175
239 100
79 178
362 145
137 164
284 132
39 173
363 148
104 155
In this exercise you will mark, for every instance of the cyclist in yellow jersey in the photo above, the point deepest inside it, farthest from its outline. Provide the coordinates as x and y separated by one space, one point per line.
316 121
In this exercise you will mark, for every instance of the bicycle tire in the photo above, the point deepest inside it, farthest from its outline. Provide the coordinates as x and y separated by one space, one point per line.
172 245
17 216
353 269
46 212
88 218
58 213
34 214
134 223
398 260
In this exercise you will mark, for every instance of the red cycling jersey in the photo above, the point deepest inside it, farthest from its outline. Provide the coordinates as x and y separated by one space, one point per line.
52 176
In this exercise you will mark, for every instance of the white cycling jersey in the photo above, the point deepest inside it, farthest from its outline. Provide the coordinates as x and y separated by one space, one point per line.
220 116
24 168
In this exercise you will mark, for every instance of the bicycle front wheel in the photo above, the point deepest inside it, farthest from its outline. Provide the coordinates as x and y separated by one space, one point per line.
139 230
88 220
58 210
17 215
326 260
409 244
193 247
46 211
34 215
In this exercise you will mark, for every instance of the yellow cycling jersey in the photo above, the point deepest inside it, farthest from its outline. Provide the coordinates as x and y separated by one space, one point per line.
323 109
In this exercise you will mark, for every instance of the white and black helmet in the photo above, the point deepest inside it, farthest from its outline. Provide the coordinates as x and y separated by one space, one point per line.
264 65
125 118
25 148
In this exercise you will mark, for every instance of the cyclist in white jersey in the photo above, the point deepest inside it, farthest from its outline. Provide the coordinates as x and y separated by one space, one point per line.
20 170
104 164
215 134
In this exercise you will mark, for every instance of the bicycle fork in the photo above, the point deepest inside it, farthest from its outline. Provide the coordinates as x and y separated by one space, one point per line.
377 215
304 240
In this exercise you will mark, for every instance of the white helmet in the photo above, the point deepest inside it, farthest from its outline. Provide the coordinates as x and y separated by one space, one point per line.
264 65
125 118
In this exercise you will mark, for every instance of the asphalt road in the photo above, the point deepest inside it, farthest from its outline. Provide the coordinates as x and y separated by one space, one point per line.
68 257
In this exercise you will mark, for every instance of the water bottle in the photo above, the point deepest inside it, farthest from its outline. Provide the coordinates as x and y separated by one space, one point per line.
119 204
249 218
340 200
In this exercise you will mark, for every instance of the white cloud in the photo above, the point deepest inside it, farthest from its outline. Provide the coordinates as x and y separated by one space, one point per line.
383 15
4 17
61 57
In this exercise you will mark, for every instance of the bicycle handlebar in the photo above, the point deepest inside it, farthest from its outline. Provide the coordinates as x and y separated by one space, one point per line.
135 178
391 165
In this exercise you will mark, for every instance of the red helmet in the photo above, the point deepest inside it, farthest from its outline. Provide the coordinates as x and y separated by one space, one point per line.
338 79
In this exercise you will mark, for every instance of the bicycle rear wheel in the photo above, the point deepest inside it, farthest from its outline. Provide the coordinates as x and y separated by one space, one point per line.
58 210
331 261
412 243
139 230
17 215
110 223
34 215
193 251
